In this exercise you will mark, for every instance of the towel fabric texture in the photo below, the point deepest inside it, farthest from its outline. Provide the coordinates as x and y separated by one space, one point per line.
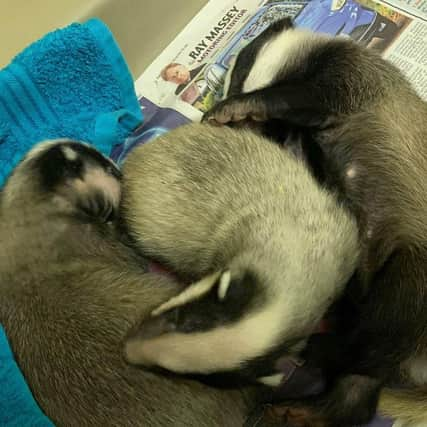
17 406
73 83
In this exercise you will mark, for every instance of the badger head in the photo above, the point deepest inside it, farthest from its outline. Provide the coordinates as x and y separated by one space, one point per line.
230 325
276 53
71 176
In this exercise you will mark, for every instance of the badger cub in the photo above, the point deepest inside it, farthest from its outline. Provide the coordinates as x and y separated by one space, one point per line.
270 248
370 128
70 291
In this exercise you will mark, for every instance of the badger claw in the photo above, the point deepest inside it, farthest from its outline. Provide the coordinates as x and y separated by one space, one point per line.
292 415
235 109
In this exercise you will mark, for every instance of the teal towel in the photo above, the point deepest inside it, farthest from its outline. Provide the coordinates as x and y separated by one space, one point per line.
17 406
73 83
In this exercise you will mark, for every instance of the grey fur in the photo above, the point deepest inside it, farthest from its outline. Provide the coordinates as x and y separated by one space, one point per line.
205 199
69 292
371 127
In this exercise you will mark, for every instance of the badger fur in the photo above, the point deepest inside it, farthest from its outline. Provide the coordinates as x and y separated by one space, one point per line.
69 292
370 127
268 248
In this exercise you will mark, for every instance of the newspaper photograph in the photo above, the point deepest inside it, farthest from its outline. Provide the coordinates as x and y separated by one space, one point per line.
187 78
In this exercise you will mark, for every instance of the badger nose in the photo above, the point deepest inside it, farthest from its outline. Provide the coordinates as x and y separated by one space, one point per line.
139 339
156 326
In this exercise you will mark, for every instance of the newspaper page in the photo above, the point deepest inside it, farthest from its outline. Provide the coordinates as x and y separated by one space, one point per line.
187 78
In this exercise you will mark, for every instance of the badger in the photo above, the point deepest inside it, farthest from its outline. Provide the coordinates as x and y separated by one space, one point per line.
369 126
267 250
70 289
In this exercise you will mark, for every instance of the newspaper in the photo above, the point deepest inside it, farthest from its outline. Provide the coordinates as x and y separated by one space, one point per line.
187 77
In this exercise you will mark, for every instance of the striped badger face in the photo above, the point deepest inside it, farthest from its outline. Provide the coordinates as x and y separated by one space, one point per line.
268 78
258 63
227 324
71 176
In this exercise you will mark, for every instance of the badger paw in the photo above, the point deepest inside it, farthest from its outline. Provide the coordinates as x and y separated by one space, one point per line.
233 110
293 416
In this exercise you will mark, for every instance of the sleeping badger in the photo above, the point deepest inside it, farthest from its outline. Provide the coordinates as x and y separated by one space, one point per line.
268 248
370 129
69 292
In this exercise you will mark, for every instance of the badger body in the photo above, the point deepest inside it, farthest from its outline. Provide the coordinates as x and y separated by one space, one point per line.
268 249
369 128
70 289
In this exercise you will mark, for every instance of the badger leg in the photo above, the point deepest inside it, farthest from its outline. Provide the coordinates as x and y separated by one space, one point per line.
299 105
236 109
408 407
351 401
390 328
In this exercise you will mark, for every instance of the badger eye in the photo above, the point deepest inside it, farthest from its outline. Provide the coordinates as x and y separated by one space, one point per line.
74 166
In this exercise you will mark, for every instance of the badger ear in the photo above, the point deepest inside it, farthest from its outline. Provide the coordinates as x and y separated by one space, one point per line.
223 284
190 293
281 24
96 204
236 291
96 193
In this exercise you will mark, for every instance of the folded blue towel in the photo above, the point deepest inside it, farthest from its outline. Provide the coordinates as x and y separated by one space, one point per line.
72 83
17 406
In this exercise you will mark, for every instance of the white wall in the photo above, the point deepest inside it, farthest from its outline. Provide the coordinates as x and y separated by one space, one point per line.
142 27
